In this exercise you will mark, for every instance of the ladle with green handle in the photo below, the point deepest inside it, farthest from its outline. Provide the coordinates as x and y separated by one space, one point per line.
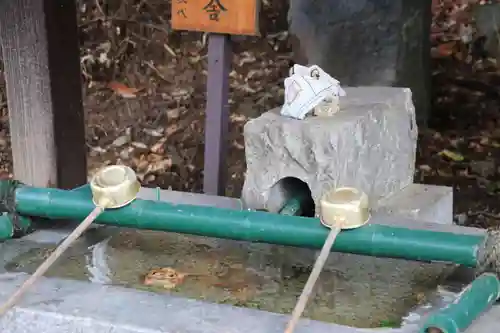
112 187
343 208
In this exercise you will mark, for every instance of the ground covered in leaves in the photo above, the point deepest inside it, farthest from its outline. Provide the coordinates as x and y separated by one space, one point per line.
144 88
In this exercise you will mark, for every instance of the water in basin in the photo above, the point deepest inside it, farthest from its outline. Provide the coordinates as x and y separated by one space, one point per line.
239 273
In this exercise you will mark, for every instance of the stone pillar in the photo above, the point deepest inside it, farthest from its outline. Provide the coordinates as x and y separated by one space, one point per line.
367 43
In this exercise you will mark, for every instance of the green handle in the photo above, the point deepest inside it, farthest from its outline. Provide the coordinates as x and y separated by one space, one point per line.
6 227
476 298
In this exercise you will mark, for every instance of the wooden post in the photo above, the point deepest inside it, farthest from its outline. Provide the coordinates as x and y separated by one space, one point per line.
41 58
217 114
221 18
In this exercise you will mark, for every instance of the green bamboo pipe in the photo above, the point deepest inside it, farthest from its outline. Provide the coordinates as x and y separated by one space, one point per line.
6 227
9 229
476 298
292 207
372 239
296 205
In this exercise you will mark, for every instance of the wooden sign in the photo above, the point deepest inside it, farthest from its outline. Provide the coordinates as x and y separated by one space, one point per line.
234 17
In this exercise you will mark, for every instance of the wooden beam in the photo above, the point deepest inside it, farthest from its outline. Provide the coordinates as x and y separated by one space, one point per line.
40 51
217 114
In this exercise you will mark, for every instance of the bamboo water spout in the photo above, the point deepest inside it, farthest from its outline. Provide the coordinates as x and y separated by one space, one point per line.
375 239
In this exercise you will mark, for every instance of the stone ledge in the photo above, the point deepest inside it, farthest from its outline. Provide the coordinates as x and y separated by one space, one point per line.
57 305
430 203
70 306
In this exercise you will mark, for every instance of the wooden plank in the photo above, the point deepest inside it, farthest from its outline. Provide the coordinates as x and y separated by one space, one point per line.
234 17
41 59
217 114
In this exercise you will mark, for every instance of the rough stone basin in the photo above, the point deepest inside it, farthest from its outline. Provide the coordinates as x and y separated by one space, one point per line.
248 275
97 288
232 286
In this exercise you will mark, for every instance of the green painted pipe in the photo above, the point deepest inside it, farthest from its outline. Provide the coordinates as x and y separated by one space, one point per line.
9 229
476 298
292 207
6 227
297 204
372 239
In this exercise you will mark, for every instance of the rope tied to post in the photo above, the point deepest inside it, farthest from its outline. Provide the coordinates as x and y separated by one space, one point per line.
7 194
20 224
489 261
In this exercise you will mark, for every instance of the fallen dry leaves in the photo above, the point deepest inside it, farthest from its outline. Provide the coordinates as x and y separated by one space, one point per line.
454 156
156 125
122 90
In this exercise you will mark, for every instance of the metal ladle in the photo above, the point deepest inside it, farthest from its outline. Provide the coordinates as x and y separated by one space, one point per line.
342 208
112 187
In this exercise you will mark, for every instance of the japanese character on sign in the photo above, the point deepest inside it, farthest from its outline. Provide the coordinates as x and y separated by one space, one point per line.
182 11
214 8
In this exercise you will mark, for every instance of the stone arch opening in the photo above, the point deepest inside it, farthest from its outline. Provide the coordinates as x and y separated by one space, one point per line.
287 188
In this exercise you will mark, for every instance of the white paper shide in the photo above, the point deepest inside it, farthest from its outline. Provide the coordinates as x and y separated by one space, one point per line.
310 91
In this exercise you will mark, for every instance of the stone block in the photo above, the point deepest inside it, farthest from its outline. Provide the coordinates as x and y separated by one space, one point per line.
486 18
370 144
367 42
429 203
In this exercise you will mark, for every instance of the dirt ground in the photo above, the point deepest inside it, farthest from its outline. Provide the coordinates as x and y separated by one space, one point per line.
144 98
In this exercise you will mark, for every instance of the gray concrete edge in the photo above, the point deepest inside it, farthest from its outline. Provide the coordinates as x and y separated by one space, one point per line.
57 305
